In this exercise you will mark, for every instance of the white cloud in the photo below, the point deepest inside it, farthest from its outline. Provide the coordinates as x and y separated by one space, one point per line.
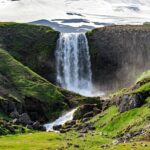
116 11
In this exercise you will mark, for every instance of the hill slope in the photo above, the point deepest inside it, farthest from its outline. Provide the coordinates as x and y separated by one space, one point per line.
21 85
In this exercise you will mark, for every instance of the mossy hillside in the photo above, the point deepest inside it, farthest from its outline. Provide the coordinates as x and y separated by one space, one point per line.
32 45
142 85
112 122
23 82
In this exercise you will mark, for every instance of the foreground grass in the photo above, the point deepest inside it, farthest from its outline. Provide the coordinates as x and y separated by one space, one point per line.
50 141
69 141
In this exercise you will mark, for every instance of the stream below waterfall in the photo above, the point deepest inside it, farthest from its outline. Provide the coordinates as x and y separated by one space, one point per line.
74 72
60 121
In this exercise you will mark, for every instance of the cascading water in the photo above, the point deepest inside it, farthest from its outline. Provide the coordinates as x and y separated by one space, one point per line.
73 63
60 121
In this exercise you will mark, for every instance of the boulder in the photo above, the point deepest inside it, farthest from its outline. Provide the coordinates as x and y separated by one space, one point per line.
71 123
84 109
89 114
57 127
14 114
36 125
131 101
15 121
25 119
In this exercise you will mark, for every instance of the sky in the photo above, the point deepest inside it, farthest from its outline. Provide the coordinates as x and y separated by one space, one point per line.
106 11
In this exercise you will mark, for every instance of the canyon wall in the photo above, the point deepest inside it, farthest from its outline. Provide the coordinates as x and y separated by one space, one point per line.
118 55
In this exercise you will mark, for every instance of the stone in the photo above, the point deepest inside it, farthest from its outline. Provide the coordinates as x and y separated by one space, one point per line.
82 110
25 119
29 126
14 114
85 119
115 142
57 127
15 121
71 123
128 102
89 114
36 125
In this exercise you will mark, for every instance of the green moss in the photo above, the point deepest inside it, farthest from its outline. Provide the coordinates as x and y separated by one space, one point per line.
143 88
145 75
32 45
27 83
112 123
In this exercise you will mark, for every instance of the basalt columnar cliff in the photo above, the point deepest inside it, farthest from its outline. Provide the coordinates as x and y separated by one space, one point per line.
29 95
118 55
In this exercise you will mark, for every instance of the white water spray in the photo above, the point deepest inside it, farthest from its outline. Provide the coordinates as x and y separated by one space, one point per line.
73 63
60 121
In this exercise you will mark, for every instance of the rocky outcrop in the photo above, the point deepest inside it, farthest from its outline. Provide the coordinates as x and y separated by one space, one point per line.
118 55
87 110
131 101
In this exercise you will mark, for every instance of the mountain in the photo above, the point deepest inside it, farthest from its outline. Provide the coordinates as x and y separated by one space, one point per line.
29 97
62 27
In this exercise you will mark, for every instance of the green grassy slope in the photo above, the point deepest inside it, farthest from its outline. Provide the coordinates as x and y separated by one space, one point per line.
32 45
18 82
108 123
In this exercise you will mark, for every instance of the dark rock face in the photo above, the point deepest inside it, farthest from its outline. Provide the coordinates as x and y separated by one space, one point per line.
57 127
118 54
11 107
127 102
24 119
85 111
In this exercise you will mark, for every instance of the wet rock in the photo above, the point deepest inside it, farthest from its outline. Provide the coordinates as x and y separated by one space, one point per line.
86 119
63 131
29 127
7 106
96 110
14 114
15 121
89 114
36 125
25 119
82 110
57 127
83 130
128 102
42 128
71 123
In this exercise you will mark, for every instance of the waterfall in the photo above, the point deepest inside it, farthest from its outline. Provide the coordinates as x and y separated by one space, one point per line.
73 63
